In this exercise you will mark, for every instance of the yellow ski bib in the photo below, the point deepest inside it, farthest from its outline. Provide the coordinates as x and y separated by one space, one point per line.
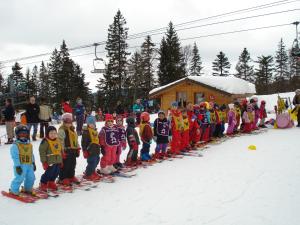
55 147
93 136
186 124
178 121
73 139
25 153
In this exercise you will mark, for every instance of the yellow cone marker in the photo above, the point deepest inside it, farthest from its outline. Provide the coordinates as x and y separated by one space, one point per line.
252 147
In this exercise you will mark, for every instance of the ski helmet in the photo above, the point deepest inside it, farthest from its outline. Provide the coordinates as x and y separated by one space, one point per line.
22 132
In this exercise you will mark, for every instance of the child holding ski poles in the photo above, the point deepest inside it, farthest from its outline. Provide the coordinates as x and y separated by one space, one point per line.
122 141
91 148
51 158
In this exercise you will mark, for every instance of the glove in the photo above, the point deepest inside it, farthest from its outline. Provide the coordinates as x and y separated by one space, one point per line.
102 150
34 166
19 170
64 155
45 165
86 154
155 138
170 138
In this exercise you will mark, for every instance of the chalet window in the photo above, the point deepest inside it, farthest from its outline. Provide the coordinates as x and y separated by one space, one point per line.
199 97
181 98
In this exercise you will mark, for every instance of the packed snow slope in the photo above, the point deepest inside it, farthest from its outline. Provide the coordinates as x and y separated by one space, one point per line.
230 185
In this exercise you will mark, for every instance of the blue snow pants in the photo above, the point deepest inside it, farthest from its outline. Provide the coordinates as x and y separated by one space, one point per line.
92 162
27 176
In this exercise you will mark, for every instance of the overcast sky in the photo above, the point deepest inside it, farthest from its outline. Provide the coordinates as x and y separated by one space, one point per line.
29 27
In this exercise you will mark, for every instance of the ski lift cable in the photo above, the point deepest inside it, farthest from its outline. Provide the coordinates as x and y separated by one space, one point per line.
149 32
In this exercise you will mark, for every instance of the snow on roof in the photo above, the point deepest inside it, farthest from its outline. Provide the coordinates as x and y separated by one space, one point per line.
229 84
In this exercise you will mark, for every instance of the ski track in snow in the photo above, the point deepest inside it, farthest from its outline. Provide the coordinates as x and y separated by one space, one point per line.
230 185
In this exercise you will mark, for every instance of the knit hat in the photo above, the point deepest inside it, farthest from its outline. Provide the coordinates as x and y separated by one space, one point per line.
231 106
91 120
49 129
109 117
67 118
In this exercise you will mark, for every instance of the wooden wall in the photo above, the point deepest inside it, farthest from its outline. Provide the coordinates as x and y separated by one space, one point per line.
169 95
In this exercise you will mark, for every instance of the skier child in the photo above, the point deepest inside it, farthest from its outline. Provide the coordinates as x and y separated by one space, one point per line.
248 117
237 111
177 128
71 150
204 121
90 148
262 114
162 135
194 126
109 141
122 141
51 158
23 159
231 120
146 135
185 135
133 142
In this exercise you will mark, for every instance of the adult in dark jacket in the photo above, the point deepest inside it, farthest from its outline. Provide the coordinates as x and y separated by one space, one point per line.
119 109
9 116
296 103
32 116
79 113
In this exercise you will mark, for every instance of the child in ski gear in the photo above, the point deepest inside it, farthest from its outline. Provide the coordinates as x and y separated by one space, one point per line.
177 128
71 150
185 135
162 135
122 141
79 113
146 135
218 122
255 108
133 142
109 141
237 111
213 119
262 114
66 107
296 103
9 116
91 148
243 109
231 120
194 126
223 118
23 159
204 121
51 158
248 117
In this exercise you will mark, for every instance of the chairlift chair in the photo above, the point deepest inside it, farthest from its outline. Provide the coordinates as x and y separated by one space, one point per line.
98 63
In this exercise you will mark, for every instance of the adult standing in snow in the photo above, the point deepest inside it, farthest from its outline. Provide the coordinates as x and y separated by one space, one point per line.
66 107
138 108
79 113
119 109
32 116
44 116
9 116
296 102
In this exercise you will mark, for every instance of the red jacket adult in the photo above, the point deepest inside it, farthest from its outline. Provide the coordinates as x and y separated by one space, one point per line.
66 107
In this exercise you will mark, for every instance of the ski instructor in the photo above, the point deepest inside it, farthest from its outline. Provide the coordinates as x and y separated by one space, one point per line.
296 102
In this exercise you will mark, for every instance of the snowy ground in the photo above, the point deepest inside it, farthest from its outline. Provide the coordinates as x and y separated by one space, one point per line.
230 185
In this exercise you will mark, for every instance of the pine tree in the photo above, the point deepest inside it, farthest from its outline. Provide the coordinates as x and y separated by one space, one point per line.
34 81
147 78
44 82
244 70
281 63
16 79
196 63
171 65
28 83
264 74
221 65
116 46
54 68
135 71
186 52
294 72
2 81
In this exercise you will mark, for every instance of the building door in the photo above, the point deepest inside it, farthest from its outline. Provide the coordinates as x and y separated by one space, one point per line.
181 98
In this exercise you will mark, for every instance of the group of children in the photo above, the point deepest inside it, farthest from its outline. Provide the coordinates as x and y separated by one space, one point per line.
182 129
